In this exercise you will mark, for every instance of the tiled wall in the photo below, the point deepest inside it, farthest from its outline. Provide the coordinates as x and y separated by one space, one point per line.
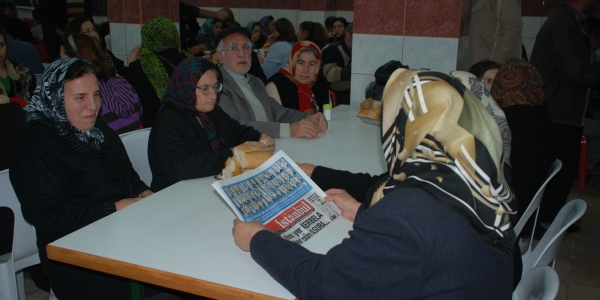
429 34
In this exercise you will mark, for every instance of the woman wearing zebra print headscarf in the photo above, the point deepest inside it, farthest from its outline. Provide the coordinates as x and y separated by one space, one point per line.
436 226
74 171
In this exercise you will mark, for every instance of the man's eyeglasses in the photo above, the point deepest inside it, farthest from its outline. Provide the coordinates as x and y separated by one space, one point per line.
207 88
236 50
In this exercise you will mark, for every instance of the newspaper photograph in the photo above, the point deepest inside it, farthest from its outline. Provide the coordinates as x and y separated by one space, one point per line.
279 195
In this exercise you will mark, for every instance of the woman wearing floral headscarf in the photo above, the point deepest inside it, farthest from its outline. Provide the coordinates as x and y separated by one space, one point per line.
297 85
192 136
159 56
79 171
436 226
518 91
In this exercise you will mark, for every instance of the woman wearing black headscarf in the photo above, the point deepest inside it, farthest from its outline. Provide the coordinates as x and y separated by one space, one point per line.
192 136
436 226
74 172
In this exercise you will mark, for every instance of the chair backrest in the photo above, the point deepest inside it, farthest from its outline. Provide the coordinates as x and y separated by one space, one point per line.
539 283
547 249
25 251
136 144
537 199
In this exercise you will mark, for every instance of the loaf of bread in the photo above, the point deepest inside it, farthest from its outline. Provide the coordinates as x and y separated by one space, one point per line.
251 160
232 168
244 158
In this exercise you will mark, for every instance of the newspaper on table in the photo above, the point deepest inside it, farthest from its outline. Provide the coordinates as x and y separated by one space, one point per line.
281 197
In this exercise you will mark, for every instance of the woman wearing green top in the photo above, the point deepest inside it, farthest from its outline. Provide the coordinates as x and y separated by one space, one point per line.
15 78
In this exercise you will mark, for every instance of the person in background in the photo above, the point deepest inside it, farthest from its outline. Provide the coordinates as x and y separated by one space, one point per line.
313 32
329 25
394 247
81 173
297 85
15 78
337 65
210 28
279 51
255 33
192 136
55 16
486 72
36 30
495 31
159 56
14 26
85 26
191 44
23 52
245 98
562 53
13 132
518 90
339 27
121 109
189 12
268 25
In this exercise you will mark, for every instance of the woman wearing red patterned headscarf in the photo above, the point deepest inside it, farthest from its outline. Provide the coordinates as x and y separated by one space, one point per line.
297 85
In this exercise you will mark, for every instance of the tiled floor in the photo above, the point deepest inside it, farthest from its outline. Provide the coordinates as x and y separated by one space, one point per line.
578 262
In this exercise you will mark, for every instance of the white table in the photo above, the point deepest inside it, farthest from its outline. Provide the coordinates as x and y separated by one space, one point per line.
181 237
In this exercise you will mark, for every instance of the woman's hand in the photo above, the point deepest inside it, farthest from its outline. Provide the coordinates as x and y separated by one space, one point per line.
134 54
244 231
145 194
346 203
126 202
307 168
268 141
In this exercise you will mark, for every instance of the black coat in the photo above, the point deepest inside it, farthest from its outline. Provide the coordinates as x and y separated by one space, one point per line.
137 78
562 53
178 148
13 132
407 246
533 150
288 91
62 191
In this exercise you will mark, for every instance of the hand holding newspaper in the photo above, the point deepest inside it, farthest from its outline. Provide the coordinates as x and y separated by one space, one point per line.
281 197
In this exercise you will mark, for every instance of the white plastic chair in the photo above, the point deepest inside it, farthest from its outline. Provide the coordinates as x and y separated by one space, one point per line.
547 249
534 206
539 283
136 144
24 251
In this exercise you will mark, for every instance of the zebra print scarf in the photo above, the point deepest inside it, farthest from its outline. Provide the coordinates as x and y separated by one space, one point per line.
438 137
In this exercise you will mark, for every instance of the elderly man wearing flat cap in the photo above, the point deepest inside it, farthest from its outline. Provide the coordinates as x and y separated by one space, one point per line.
245 98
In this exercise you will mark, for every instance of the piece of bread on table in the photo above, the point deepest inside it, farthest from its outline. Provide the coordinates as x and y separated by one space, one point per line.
251 160
264 140
232 168
367 104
